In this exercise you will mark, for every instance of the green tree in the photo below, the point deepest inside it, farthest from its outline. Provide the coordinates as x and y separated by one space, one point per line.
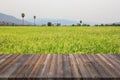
49 24
58 24
22 15
81 22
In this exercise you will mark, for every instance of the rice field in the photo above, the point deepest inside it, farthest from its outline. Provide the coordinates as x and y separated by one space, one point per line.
59 40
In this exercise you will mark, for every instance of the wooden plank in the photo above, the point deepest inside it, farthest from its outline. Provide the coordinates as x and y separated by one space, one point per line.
66 66
117 56
4 58
49 66
105 65
46 67
74 67
53 67
8 70
23 66
112 57
89 67
112 62
38 66
7 63
99 68
18 65
110 66
31 65
81 67
59 66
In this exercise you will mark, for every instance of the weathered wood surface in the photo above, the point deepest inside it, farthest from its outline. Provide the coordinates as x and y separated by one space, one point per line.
50 66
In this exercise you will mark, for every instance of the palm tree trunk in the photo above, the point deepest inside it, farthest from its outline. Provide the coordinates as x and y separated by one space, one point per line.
23 21
34 22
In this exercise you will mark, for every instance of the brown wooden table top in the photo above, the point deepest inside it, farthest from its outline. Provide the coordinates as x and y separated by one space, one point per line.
50 66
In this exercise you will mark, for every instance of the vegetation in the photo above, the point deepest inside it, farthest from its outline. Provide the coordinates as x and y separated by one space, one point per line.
59 40
80 22
34 20
49 24
114 24
23 15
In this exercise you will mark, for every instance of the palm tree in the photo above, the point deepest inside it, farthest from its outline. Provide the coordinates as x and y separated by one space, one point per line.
22 15
34 20
81 22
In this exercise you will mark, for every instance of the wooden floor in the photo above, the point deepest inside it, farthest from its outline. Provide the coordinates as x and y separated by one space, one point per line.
60 66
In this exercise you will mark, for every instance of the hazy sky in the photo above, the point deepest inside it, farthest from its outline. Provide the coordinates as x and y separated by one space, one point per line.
86 10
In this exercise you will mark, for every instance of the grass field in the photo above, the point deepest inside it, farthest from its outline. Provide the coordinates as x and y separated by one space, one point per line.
59 40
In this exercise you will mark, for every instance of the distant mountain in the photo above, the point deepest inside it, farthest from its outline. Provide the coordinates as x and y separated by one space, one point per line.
8 19
40 21
113 24
11 20
117 23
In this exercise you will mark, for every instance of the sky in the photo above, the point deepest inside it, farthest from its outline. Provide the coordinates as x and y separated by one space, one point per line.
101 11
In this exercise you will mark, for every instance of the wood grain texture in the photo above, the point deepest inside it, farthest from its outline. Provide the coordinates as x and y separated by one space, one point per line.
56 66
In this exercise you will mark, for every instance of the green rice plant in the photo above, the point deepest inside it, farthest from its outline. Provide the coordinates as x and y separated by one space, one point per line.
59 40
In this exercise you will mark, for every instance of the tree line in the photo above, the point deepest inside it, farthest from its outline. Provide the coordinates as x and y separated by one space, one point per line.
114 24
3 23
51 24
